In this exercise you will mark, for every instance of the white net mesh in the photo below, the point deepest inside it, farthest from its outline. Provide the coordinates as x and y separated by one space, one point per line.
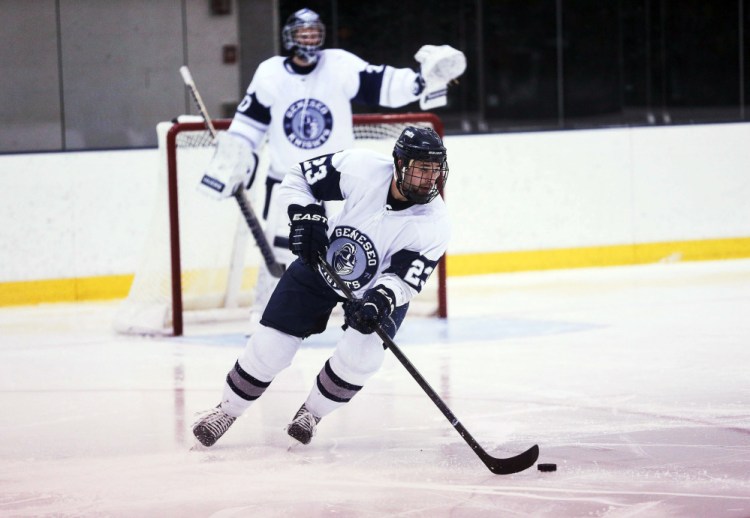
218 257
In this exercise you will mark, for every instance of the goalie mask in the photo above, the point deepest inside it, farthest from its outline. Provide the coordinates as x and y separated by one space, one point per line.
304 33
421 164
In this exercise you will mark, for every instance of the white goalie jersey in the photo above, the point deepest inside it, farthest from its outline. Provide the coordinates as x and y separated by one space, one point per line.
308 112
375 239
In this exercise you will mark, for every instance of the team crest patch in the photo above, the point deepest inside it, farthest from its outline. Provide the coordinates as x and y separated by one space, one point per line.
352 255
308 123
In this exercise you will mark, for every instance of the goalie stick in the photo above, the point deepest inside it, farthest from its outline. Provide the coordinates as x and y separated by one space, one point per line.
498 466
275 268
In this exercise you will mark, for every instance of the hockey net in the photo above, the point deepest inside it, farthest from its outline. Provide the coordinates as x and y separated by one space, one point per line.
199 262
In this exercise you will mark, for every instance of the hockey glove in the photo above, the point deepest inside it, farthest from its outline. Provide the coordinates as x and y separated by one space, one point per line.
438 66
366 314
232 167
308 235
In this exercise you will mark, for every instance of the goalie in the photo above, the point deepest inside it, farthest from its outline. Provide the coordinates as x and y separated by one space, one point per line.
303 104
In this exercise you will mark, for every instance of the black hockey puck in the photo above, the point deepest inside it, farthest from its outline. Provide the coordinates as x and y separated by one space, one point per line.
546 467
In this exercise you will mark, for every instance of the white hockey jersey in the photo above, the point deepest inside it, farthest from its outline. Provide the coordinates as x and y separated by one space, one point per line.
308 112
374 240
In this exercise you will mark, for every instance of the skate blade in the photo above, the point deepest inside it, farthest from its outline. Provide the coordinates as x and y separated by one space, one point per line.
198 446
294 444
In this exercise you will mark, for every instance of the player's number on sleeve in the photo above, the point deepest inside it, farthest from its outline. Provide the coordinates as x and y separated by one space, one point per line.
418 273
316 169
245 103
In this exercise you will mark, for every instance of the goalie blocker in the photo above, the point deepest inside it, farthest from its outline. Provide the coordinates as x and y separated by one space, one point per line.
232 167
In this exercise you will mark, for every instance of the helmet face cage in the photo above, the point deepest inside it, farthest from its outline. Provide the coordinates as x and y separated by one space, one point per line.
420 182
304 33
421 164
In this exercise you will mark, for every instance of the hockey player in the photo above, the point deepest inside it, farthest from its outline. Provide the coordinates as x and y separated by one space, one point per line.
303 104
384 244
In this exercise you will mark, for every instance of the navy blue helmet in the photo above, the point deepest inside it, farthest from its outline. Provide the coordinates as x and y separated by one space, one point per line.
421 163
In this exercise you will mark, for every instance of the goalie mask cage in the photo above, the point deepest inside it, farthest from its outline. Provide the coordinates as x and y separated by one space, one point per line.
200 262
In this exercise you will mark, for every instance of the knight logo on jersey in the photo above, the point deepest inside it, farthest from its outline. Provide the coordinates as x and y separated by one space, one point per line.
345 259
308 123
353 257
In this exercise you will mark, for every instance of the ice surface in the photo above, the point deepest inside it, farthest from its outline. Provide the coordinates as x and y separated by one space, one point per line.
634 381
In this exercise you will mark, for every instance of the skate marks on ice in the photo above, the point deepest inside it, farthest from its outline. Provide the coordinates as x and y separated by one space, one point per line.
645 416
666 469
346 479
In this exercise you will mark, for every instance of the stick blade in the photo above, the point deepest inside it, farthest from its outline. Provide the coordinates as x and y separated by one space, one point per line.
520 462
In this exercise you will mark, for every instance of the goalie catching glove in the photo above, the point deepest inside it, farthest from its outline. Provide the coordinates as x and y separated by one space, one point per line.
232 167
438 66
367 313
308 232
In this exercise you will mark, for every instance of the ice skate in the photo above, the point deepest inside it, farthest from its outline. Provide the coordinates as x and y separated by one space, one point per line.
211 425
303 425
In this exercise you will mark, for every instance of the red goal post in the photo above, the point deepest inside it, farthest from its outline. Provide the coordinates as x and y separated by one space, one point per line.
170 284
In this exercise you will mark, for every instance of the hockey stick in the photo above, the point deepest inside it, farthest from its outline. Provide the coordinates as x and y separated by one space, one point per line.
275 268
498 466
